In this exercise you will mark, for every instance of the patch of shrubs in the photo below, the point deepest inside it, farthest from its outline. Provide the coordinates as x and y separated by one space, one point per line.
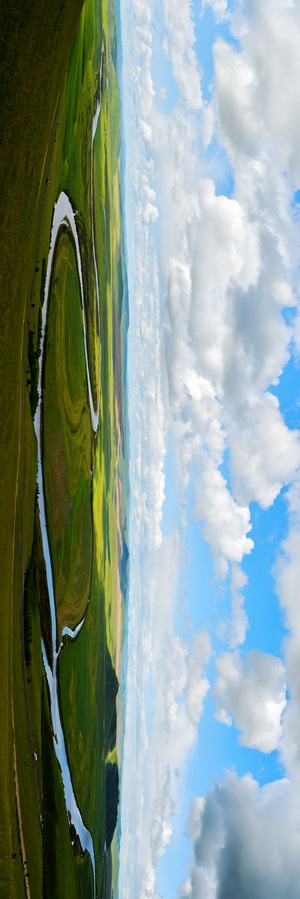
112 800
33 361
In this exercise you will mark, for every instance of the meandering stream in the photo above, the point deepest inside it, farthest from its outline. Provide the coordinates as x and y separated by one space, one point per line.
65 214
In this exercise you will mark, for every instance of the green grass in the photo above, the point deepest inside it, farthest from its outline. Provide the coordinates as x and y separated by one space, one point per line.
82 685
52 109
82 700
35 41
67 440
65 874
76 158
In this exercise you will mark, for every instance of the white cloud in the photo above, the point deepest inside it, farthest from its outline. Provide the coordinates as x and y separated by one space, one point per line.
273 46
265 453
236 86
225 344
219 8
247 838
256 87
225 523
163 93
196 814
225 251
165 46
208 124
197 686
180 686
253 692
145 129
229 267
287 579
249 842
185 67
233 628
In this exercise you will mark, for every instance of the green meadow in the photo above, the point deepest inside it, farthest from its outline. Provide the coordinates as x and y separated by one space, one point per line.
58 77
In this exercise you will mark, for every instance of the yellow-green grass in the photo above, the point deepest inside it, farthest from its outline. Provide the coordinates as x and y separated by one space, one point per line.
81 671
82 683
67 440
35 40
56 128
81 667
75 161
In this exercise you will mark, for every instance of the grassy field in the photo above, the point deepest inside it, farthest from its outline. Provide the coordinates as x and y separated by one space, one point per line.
49 91
82 671
35 37
67 441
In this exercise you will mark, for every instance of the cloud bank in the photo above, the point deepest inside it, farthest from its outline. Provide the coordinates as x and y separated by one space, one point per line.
243 279
253 693
246 842
213 236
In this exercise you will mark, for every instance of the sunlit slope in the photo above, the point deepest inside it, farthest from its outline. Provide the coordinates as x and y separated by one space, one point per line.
35 41
85 704
52 140
67 441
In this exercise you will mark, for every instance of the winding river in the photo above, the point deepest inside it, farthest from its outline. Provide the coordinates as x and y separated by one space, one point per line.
65 215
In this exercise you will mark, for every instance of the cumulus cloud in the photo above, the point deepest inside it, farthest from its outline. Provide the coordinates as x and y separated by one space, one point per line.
265 453
231 273
208 124
235 88
197 685
185 68
226 342
180 686
225 523
252 692
260 102
287 574
219 8
233 266
229 270
247 842
233 628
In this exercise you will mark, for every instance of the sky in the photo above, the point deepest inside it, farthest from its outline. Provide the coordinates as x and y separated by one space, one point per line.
210 768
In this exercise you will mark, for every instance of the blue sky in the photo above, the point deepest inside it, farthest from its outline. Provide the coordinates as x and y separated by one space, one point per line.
211 126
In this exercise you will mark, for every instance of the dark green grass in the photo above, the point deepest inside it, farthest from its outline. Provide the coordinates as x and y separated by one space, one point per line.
35 41
37 615
65 873
82 701
42 591
67 441
82 662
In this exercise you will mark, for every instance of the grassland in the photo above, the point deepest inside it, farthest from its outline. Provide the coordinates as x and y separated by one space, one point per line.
35 38
67 441
65 872
49 91
82 670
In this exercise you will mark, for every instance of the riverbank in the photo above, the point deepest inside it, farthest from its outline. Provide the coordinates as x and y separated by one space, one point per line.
34 49
53 112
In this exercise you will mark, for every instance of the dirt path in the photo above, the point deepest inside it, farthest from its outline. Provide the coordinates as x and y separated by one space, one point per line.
12 633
